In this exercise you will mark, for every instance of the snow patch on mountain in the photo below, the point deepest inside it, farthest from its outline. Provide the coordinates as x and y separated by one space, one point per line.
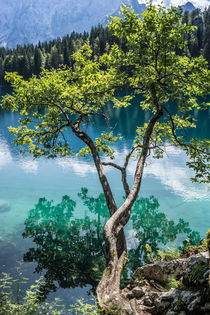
167 3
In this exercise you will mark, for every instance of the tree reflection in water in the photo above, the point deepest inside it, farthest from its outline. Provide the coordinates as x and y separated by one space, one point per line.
71 251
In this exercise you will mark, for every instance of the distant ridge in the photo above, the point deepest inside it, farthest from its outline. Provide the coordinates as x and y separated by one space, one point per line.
24 22
30 21
188 7
139 8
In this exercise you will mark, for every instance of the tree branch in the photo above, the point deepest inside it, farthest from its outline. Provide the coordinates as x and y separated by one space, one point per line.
129 155
189 145
114 224
113 165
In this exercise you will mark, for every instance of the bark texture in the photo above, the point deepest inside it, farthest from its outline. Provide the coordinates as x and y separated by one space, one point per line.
121 245
110 297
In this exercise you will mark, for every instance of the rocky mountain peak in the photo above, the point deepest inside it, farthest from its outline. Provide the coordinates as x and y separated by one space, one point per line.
31 21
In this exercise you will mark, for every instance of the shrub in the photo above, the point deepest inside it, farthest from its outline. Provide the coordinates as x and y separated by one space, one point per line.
14 300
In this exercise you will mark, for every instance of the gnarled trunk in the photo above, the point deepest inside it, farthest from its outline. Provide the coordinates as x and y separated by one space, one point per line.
121 245
109 295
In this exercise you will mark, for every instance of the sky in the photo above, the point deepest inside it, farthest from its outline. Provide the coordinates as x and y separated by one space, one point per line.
197 3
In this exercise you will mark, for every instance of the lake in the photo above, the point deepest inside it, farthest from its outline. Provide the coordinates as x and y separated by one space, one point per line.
52 212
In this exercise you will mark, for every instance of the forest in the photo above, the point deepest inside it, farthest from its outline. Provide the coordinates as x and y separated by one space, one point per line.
30 59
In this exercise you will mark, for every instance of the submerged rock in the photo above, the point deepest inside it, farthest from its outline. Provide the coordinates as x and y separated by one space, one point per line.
5 207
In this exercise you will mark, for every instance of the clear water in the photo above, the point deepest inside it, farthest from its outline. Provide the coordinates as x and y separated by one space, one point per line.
65 234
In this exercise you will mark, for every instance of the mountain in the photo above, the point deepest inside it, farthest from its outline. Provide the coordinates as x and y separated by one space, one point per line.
23 22
30 21
139 8
188 7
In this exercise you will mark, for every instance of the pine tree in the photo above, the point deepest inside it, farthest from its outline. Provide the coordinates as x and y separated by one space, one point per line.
37 61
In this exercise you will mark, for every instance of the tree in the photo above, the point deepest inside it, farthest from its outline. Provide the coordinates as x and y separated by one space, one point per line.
148 64
37 60
56 58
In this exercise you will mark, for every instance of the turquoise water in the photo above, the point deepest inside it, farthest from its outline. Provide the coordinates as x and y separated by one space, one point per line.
76 243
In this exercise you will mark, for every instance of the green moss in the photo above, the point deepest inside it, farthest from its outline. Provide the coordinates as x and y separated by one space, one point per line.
202 246
138 279
168 254
173 283
84 308
179 302
149 253
114 310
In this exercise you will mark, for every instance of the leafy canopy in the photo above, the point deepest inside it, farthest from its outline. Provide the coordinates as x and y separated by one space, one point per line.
147 62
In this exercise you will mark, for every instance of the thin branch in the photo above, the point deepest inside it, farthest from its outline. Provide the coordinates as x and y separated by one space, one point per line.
129 155
64 113
79 120
123 169
43 133
189 145
113 165
115 224
64 138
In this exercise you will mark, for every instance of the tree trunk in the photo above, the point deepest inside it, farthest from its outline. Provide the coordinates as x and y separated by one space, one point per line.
109 295
111 204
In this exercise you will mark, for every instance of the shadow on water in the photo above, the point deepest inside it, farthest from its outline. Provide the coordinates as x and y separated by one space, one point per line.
71 252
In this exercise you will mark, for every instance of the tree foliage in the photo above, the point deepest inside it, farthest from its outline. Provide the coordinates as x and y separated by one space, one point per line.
149 65
152 67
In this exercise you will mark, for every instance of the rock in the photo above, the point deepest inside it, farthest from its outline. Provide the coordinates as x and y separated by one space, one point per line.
5 207
190 299
130 295
207 307
156 286
190 296
138 292
143 283
52 18
148 301
161 271
206 254
196 270
188 6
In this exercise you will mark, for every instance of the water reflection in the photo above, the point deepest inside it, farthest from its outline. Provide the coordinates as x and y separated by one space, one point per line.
154 228
121 121
28 165
71 252
125 120
5 155
69 249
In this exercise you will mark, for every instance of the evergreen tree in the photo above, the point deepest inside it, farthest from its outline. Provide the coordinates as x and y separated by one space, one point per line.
37 61
66 54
